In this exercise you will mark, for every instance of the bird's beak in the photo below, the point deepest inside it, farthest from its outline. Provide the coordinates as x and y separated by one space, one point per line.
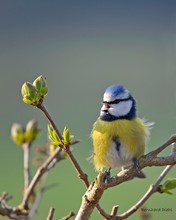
105 107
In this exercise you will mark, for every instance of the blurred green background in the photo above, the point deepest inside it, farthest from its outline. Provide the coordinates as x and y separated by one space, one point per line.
82 47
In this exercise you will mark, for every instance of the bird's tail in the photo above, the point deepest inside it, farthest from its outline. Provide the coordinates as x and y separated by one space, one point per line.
140 175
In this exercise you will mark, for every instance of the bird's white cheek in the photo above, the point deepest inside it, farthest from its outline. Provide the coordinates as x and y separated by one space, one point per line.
121 109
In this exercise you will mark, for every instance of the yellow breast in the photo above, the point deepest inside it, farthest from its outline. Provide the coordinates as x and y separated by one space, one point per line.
132 133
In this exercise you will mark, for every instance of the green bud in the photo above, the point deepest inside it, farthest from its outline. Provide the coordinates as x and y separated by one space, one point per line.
54 138
40 85
17 134
32 131
67 137
29 93
168 185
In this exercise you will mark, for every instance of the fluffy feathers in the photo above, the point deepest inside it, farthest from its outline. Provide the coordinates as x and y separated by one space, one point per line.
132 135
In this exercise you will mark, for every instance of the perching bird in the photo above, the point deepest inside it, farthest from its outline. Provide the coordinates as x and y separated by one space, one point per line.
119 136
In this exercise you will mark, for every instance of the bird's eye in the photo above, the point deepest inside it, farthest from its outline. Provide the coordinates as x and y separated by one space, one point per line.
116 101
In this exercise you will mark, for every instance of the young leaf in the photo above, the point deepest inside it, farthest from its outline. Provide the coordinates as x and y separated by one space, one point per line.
29 93
40 85
168 185
55 140
67 137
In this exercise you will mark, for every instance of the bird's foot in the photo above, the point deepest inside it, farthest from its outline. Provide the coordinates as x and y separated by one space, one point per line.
107 175
136 166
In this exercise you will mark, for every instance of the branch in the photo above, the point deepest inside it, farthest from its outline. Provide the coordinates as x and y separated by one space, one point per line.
35 206
83 176
114 212
51 214
91 198
171 140
23 211
102 212
152 189
77 167
71 214
96 189
43 169
26 150
43 108
10 212
148 160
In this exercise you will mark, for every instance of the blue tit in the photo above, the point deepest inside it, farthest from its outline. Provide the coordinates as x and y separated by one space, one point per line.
119 136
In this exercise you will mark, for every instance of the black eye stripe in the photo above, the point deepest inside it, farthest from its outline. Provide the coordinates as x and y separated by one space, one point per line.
116 101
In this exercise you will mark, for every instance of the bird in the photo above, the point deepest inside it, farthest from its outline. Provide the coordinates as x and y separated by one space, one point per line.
119 136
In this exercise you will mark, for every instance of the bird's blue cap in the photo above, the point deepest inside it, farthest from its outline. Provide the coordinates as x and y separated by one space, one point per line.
115 90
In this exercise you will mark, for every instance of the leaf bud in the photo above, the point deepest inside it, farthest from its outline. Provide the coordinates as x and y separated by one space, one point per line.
29 93
40 85
167 186
32 131
54 138
67 136
17 134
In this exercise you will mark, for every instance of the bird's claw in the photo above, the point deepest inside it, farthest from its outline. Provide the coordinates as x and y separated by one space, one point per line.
107 175
136 164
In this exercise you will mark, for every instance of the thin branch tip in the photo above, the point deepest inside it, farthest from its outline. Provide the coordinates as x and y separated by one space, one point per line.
71 214
75 142
51 214
173 137
114 211
173 150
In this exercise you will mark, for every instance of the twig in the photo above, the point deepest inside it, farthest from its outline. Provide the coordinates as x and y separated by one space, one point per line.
114 212
43 169
3 196
43 108
80 172
77 167
39 197
171 140
152 189
12 212
26 150
71 214
149 159
51 214
19 212
96 189
102 212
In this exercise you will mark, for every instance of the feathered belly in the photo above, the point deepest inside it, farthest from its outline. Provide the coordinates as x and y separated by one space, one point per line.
108 155
117 143
120 157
